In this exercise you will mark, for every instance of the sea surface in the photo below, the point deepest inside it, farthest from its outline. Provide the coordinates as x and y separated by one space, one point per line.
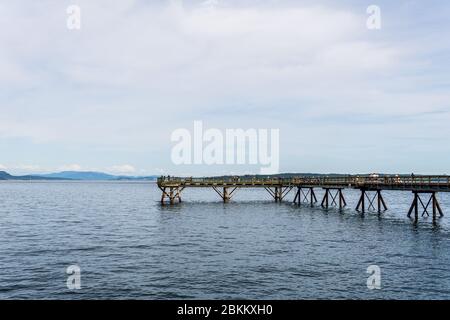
128 246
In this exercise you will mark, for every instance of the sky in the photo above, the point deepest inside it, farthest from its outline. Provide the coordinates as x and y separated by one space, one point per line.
108 96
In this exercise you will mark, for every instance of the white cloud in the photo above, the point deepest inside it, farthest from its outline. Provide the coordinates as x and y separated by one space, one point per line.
26 167
150 52
210 3
122 169
32 168
136 71
70 167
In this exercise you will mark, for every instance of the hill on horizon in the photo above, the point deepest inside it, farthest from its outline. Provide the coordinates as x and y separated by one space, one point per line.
75 175
93 176
79 175
6 176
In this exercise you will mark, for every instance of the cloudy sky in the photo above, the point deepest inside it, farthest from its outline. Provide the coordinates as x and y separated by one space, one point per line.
108 96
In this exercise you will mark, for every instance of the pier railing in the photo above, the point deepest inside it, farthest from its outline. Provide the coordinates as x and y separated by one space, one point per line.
370 186
386 182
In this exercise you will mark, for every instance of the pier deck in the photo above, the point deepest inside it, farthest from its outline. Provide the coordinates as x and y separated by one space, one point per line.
279 188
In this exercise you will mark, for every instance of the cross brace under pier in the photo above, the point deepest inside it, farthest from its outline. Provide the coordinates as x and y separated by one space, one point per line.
279 193
171 193
435 206
305 197
365 195
225 194
333 199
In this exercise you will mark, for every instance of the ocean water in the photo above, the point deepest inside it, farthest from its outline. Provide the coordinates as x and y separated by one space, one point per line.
130 247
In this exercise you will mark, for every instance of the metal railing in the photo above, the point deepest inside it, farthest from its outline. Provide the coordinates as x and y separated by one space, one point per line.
345 181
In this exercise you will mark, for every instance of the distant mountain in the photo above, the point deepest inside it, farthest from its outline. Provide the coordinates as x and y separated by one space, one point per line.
93 176
5 175
75 175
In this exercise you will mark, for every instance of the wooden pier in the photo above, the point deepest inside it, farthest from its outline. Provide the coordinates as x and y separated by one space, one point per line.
423 189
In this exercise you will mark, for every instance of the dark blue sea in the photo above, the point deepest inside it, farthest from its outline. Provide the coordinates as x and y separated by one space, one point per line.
130 247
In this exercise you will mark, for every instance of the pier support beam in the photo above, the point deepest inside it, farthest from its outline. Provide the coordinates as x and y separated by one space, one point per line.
305 197
336 199
172 194
279 192
418 201
225 194
380 203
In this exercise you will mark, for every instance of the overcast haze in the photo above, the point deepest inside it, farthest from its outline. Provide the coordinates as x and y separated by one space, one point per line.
107 97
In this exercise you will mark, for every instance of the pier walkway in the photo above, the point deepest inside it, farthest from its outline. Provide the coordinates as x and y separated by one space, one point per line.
423 188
